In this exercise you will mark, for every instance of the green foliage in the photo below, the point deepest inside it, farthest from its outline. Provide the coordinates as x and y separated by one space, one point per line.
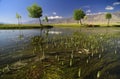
108 17
78 15
35 11
53 72
37 40
79 72
46 19
18 17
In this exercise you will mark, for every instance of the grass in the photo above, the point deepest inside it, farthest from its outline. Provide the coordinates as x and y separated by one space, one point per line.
23 26
36 26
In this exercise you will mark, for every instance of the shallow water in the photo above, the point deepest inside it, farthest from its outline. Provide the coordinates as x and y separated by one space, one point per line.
12 38
13 42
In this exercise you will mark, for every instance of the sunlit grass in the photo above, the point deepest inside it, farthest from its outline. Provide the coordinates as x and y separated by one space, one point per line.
70 25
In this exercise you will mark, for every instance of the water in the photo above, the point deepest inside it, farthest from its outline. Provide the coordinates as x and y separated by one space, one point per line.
9 39
13 42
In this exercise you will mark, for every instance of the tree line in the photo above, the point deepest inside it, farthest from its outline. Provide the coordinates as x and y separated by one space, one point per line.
35 11
80 14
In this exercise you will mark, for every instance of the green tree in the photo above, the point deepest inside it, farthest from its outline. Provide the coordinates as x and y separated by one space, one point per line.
78 15
108 17
46 19
18 17
35 11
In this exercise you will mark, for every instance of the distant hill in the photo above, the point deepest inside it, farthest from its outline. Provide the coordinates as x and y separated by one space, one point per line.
91 18
100 18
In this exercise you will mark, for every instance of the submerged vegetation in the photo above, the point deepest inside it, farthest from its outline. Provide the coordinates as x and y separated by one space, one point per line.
80 55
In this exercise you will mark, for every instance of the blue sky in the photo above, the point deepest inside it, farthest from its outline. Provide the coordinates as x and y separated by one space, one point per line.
54 8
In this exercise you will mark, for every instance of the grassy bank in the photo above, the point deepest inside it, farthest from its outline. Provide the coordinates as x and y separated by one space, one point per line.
74 25
35 26
23 26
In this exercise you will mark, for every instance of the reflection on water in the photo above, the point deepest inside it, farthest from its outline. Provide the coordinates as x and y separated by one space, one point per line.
17 38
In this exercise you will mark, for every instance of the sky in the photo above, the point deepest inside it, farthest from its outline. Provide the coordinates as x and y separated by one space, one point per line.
54 9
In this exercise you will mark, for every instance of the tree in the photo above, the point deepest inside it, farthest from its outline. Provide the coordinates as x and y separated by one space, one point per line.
46 19
108 17
35 11
18 17
78 15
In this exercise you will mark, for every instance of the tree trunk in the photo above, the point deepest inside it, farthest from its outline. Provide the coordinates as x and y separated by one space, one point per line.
18 21
41 27
108 22
40 21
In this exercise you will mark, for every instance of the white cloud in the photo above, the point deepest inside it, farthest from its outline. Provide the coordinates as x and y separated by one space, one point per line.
109 8
116 3
55 17
54 13
88 11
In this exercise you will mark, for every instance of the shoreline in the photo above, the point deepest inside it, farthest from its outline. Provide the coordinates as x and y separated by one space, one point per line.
37 26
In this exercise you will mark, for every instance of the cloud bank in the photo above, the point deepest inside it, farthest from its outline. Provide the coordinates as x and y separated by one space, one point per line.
116 3
55 17
109 8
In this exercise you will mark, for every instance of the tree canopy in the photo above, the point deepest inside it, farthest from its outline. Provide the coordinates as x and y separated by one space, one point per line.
46 19
35 11
108 16
79 14
18 17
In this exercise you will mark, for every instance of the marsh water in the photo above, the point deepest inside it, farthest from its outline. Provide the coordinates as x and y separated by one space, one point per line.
10 39
13 44
17 40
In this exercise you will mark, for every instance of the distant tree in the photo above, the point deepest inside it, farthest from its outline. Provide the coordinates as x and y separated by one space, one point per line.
46 19
108 17
43 19
18 17
78 15
85 18
35 11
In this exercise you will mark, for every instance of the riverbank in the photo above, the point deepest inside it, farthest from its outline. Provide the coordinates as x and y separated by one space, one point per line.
23 26
36 26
